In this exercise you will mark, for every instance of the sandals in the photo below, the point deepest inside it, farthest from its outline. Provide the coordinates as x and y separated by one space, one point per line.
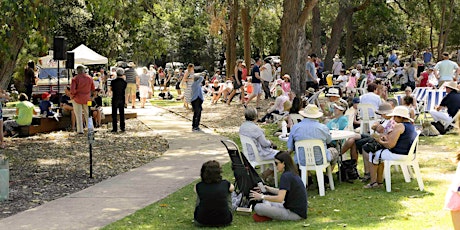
373 185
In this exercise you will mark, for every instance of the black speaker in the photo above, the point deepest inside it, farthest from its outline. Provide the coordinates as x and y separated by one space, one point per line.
70 63
59 48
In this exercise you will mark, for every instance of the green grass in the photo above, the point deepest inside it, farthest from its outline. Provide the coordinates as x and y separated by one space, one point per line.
349 205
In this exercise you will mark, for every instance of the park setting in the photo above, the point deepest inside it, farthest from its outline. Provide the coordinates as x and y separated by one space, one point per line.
254 114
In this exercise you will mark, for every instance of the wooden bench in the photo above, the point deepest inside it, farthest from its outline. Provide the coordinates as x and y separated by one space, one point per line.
108 117
44 125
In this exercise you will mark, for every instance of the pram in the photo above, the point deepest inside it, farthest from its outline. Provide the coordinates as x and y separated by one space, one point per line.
246 177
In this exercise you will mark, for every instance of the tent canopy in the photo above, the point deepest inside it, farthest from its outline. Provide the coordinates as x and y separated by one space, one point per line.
87 56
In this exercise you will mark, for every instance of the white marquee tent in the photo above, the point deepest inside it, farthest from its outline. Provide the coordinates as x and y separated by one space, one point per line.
87 56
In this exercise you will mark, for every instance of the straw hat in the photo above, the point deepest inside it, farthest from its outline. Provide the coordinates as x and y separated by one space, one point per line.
341 106
333 92
311 111
379 69
400 111
287 76
373 70
452 84
384 109
131 64
311 90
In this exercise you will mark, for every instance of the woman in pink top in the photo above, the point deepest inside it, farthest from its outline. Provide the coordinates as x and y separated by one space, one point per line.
351 84
286 84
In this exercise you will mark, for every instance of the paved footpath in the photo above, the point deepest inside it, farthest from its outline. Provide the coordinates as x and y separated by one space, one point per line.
117 197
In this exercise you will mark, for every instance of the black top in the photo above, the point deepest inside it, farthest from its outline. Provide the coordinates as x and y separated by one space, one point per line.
255 70
240 75
405 140
452 102
29 78
212 204
118 89
296 194
65 100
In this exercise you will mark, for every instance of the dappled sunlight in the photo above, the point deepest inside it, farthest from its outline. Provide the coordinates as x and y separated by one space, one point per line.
160 168
52 161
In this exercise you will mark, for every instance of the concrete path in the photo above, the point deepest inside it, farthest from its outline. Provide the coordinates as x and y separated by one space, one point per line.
117 197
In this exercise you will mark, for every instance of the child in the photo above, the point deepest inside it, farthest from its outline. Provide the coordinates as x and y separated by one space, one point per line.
96 108
45 105
286 84
197 101
351 84
216 91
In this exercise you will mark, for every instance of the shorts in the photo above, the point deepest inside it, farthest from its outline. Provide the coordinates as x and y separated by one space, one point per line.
236 85
143 91
131 88
452 201
256 88
178 85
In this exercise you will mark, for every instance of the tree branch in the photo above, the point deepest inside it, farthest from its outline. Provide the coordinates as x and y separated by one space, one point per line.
259 6
402 8
309 4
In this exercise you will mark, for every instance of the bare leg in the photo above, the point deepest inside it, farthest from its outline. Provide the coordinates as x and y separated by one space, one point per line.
367 164
380 168
455 219
133 100
258 99
2 144
373 170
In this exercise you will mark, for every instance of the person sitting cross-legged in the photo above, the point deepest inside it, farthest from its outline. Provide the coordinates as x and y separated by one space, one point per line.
289 202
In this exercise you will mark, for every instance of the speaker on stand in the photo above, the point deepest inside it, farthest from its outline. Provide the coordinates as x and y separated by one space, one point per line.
59 53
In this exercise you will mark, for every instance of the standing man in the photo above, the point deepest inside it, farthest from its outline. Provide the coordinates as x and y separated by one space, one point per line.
267 77
446 70
132 80
118 88
427 55
197 102
30 78
312 78
256 84
80 93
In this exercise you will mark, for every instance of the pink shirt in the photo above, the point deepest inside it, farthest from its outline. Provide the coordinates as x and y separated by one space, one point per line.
351 82
81 87
286 86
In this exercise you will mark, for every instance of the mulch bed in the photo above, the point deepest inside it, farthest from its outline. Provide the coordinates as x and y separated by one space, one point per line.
50 166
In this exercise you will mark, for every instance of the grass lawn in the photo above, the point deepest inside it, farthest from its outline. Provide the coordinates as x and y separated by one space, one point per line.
349 205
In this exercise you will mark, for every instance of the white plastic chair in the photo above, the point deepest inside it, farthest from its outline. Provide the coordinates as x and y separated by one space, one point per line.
410 161
362 89
247 143
310 163
366 110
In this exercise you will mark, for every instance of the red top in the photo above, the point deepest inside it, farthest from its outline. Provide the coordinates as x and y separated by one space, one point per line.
81 87
244 74
424 80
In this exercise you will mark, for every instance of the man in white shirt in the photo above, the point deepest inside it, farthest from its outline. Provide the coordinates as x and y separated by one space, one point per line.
267 76
371 98
446 70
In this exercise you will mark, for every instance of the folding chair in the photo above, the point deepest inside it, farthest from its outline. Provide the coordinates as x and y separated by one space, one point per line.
314 99
432 99
367 117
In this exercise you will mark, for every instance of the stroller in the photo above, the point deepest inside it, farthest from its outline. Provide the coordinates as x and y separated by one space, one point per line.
246 176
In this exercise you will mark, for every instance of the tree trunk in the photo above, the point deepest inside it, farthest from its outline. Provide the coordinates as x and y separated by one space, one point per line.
448 26
349 42
430 8
441 29
337 28
246 24
316 32
231 37
8 62
293 42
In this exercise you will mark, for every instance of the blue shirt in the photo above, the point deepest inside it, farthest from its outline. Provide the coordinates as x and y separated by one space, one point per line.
196 89
427 57
309 129
342 122
311 68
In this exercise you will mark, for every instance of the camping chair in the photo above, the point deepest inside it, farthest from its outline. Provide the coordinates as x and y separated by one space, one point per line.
314 99
410 161
247 143
362 89
314 163
432 99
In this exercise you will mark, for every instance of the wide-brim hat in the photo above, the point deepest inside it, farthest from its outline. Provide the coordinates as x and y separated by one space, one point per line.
333 92
340 106
131 64
452 84
311 90
400 111
311 111
384 109
287 76
379 69
373 69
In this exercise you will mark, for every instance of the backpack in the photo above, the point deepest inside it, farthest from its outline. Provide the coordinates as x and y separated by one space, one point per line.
348 170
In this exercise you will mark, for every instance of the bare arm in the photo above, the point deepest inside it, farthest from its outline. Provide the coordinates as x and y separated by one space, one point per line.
389 141
279 197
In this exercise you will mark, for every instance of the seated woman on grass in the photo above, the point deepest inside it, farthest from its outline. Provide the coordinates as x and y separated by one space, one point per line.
212 207
289 202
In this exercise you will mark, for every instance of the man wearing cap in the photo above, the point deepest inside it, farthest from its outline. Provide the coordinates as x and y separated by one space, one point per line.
118 87
310 128
133 81
446 70
267 77
451 101
80 93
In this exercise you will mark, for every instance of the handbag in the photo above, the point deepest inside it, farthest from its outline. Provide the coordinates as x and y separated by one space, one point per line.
349 171
372 146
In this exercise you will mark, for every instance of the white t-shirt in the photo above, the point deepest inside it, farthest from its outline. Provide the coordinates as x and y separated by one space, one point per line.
342 81
266 73
373 99
446 69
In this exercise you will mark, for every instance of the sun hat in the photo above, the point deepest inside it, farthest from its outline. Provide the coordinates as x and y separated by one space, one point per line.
400 111
311 111
311 90
452 84
339 105
131 64
356 100
373 69
279 81
384 109
45 95
287 76
333 92
379 69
